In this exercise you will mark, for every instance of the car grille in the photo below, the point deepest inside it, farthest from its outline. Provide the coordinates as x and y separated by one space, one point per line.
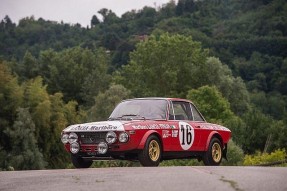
92 138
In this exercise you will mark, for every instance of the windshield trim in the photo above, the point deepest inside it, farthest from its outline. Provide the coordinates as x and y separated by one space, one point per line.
151 98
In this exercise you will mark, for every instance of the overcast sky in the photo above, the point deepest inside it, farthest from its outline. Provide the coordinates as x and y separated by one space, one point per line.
69 11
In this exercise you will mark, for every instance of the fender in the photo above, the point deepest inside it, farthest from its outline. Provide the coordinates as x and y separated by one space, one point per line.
209 139
146 135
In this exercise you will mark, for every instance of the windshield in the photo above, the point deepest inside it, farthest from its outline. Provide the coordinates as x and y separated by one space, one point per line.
140 109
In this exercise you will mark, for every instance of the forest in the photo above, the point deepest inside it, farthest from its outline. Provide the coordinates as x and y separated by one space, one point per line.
228 56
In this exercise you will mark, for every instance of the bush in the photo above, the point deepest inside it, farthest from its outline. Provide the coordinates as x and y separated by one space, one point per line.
235 155
181 162
265 158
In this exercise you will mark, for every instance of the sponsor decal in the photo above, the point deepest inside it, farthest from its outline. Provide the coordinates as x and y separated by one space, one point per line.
174 133
186 135
172 126
152 126
165 134
93 128
96 126
214 127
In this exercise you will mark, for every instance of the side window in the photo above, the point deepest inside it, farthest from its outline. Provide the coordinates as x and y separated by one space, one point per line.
180 110
196 114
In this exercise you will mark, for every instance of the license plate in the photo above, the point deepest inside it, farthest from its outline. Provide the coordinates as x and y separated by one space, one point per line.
91 153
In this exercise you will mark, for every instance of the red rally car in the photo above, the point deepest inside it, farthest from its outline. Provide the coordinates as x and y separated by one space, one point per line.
149 130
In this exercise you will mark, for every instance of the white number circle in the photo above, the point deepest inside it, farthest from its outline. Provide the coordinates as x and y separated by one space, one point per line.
186 135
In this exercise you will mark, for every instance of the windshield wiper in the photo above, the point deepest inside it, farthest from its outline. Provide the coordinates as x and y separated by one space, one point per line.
129 115
112 118
126 116
132 115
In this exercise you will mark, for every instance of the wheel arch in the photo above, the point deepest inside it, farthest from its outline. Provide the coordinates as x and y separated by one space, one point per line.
211 135
146 135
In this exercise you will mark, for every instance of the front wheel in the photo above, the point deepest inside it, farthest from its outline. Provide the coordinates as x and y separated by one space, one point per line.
213 155
79 162
151 154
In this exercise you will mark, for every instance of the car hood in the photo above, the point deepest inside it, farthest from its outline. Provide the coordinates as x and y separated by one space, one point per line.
96 126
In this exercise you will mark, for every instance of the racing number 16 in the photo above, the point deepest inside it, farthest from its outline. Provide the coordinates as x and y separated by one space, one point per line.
186 135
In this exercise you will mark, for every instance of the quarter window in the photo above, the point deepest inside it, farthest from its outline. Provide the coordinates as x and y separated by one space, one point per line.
180 110
196 115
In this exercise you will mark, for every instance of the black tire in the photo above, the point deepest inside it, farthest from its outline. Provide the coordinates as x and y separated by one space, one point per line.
152 158
79 162
213 156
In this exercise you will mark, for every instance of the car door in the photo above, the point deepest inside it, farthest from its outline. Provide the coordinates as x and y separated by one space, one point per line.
202 127
186 133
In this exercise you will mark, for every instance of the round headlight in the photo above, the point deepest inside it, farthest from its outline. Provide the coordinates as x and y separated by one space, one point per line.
74 148
111 137
73 137
123 137
64 138
102 148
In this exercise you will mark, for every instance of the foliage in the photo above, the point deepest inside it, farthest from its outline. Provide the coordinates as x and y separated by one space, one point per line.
265 158
193 70
256 130
115 163
211 103
237 126
232 88
78 73
11 98
181 162
178 55
30 136
24 154
235 155
106 102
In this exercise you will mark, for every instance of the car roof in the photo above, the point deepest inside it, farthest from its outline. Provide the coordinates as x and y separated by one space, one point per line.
160 98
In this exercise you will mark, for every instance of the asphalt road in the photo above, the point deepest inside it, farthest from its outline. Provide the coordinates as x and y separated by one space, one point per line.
148 179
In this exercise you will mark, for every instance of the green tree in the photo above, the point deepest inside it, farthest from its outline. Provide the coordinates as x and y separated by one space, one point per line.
7 23
76 72
109 16
211 103
235 155
256 130
106 102
237 126
164 66
180 7
10 93
277 136
274 103
30 66
24 154
170 65
11 98
62 115
94 21
51 115
217 74
36 98
168 10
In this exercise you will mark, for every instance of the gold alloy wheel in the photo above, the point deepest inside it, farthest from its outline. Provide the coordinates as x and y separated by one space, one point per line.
154 150
216 152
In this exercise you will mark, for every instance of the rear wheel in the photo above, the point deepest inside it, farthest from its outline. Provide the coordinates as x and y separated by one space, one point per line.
151 154
213 155
79 162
